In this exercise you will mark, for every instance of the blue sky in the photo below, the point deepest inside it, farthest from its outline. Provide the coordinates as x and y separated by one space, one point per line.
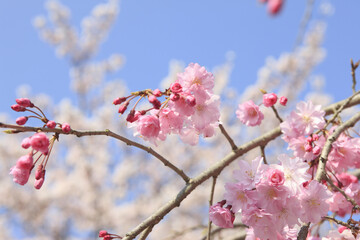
151 33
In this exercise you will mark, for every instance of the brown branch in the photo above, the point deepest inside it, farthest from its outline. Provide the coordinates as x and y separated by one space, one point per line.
302 235
107 132
146 233
227 136
338 222
262 148
320 173
210 204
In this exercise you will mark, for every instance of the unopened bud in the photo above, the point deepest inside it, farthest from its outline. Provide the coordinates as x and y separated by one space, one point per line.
24 102
190 100
51 124
18 108
176 87
21 120
283 100
157 93
308 148
174 97
119 100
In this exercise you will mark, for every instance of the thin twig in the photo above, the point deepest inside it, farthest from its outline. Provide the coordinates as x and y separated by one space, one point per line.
304 23
262 148
338 111
219 229
349 199
227 136
339 222
107 132
210 204
276 114
353 68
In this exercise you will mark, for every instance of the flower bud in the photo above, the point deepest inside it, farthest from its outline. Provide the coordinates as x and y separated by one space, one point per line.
21 120
157 93
269 99
190 100
123 107
39 182
316 150
18 108
51 124
283 100
24 102
176 87
119 100
308 148
174 97
155 102
26 143
65 127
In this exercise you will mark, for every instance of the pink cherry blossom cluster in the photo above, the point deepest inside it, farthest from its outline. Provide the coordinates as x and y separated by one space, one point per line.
273 199
249 113
190 108
40 145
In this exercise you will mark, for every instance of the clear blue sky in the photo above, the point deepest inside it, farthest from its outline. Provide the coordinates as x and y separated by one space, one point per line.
151 33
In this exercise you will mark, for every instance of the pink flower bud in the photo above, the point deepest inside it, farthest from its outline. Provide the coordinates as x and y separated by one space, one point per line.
40 142
283 100
102 233
269 99
157 93
21 120
119 100
24 102
176 87
316 150
40 172
308 148
309 140
174 97
65 127
51 124
38 183
274 6
315 137
155 102
25 162
132 116
123 107
190 100
275 177
20 175
26 143
18 108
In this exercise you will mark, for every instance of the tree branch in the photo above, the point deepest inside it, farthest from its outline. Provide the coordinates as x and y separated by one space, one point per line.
227 136
107 132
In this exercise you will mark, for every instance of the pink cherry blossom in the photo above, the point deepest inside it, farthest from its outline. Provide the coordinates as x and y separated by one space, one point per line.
195 77
313 201
148 126
206 113
249 175
308 117
249 114
40 142
237 195
269 99
176 87
221 217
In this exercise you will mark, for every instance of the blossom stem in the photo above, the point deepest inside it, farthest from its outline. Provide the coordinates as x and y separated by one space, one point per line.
227 136
210 204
